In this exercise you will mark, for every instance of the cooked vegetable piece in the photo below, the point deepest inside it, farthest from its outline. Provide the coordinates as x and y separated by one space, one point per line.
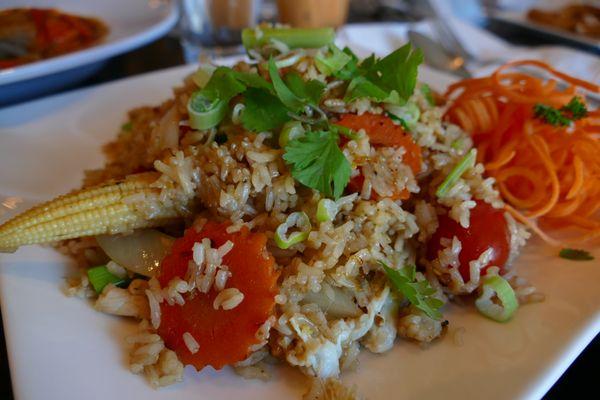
140 252
296 220
92 211
326 210
496 287
468 161
291 130
224 336
205 113
291 37
383 132
100 276
488 229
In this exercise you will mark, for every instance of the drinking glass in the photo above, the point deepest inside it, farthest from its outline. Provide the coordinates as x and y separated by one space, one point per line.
212 28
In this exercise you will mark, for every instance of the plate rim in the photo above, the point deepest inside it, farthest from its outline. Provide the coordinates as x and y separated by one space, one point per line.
95 53
536 389
519 18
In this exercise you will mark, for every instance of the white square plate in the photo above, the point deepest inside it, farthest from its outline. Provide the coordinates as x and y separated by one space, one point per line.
60 348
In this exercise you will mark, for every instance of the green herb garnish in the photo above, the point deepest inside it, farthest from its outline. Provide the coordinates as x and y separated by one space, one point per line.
428 94
575 255
576 108
573 111
263 111
317 162
127 126
100 276
391 79
418 293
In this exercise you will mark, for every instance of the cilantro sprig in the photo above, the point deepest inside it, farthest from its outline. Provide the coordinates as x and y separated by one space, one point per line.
391 79
563 116
418 293
575 255
317 162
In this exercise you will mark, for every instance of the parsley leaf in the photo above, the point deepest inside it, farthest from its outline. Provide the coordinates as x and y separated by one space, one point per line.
550 115
223 85
360 87
576 108
397 72
391 79
418 293
308 92
573 111
263 111
350 69
575 254
317 162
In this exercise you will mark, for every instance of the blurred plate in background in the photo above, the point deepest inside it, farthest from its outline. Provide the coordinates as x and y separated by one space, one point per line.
131 24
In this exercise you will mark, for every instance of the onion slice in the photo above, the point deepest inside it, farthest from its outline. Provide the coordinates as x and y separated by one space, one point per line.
140 252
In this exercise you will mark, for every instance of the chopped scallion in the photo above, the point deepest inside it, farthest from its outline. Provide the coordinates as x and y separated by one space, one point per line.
298 220
100 277
205 113
291 130
468 161
326 210
333 61
293 38
408 113
496 286
426 90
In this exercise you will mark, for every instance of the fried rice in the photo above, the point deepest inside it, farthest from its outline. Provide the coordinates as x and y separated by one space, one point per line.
333 297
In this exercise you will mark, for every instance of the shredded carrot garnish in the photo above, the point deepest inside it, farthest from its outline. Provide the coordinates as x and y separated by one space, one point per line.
549 175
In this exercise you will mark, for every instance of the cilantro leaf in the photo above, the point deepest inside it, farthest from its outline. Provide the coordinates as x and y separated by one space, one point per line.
350 69
263 111
391 79
307 91
397 72
223 85
286 96
573 111
550 115
575 254
418 293
576 108
360 87
317 162
253 80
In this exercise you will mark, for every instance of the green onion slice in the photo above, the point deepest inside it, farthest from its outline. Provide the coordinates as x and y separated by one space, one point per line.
291 130
203 74
293 38
100 277
468 161
205 113
496 286
326 210
333 61
409 113
297 219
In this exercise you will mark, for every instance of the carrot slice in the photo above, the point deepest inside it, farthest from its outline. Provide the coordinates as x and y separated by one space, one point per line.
224 336
383 132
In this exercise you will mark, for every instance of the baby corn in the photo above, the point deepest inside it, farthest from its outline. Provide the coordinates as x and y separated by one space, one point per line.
107 209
